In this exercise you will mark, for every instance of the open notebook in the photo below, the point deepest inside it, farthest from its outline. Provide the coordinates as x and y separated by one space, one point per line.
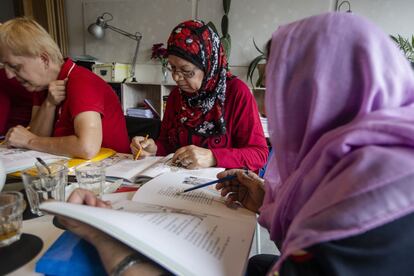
138 171
15 159
190 234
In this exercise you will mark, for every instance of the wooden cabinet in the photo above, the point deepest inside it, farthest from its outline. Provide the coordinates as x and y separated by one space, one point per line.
132 93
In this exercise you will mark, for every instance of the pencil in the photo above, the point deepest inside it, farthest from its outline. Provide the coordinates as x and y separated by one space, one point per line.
140 149
229 177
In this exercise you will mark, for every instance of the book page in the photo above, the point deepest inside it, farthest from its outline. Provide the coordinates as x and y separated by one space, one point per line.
16 159
165 165
183 242
150 167
128 168
165 190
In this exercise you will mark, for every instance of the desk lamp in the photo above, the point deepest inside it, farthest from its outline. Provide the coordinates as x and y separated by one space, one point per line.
339 5
97 29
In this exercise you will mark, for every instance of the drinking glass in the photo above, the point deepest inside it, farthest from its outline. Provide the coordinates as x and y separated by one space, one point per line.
12 206
42 184
91 176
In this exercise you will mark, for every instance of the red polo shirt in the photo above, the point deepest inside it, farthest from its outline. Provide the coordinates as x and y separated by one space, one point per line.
85 91
15 103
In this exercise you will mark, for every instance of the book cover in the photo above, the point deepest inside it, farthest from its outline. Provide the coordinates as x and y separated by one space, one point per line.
70 255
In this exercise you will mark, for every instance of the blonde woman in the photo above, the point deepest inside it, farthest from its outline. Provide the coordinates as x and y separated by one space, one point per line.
75 112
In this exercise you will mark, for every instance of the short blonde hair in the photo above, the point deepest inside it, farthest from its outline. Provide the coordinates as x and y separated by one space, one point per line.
25 37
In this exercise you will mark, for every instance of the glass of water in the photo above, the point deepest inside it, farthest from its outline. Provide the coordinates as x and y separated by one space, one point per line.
91 176
41 184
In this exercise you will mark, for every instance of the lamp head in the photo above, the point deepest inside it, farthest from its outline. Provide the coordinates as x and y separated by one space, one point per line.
97 29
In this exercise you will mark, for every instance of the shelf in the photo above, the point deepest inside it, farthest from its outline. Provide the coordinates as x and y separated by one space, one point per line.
134 93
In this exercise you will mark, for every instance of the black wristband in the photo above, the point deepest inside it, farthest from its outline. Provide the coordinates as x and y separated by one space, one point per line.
126 263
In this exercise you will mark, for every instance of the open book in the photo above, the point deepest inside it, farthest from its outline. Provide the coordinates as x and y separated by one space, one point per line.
139 171
17 159
190 234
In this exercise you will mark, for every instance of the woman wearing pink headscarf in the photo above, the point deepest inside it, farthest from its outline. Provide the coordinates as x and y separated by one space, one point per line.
338 195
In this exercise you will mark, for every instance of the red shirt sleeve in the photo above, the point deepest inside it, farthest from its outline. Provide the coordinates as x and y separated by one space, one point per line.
86 98
163 146
4 111
249 148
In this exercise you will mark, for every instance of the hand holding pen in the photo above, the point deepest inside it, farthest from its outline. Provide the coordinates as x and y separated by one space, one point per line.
142 147
19 137
246 188
220 180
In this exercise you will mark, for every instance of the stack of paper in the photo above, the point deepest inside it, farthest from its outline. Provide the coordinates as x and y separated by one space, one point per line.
140 112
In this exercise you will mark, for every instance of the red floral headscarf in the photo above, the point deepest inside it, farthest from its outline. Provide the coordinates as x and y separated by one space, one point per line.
197 43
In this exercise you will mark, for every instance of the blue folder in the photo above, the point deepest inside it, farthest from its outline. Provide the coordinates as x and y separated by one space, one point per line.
70 255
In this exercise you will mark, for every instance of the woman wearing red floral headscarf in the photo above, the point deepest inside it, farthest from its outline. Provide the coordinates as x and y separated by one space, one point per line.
211 118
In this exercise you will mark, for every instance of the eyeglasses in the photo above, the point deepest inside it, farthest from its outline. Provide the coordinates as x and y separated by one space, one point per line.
182 73
14 68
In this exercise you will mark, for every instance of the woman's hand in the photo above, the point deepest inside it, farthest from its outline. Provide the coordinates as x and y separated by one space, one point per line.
57 92
149 148
19 137
193 157
103 243
111 251
246 189
85 197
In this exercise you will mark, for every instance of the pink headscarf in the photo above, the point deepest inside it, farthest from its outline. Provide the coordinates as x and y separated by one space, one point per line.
339 98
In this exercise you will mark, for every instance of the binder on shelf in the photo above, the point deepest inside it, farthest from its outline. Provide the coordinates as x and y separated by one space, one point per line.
140 112
149 104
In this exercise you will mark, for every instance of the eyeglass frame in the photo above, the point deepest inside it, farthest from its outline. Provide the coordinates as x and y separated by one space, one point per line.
10 67
185 74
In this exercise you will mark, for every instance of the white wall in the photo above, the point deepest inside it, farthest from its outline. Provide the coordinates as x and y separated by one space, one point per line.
394 17
257 19
248 19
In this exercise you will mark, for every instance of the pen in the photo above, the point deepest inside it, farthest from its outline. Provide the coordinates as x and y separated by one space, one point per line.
40 160
229 177
140 149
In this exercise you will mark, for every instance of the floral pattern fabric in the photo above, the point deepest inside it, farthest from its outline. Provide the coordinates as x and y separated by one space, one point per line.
197 43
